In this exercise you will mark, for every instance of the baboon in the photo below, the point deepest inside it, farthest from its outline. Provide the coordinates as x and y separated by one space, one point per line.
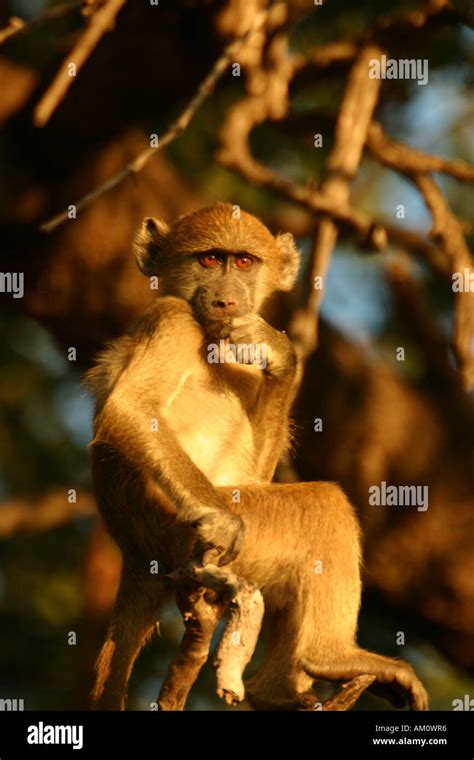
177 431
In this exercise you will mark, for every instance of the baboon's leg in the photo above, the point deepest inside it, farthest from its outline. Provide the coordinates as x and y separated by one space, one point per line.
279 683
133 621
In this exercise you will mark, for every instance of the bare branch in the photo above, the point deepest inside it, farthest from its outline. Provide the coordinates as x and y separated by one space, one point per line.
50 511
100 22
176 129
201 612
326 55
17 25
346 50
416 18
349 693
251 170
238 643
409 160
413 241
268 86
345 698
449 231
14 26
355 115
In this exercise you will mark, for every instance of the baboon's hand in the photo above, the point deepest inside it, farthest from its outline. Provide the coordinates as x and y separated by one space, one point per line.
272 348
219 536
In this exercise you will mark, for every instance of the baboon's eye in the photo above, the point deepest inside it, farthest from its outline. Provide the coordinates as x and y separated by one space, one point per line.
243 262
209 260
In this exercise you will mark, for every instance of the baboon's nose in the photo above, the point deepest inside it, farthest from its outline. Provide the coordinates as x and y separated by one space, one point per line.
227 303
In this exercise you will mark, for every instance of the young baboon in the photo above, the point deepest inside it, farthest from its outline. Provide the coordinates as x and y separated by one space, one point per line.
185 417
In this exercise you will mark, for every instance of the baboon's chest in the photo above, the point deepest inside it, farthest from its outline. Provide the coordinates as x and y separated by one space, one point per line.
210 412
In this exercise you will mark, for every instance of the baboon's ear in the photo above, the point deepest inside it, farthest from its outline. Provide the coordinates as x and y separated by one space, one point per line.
148 244
289 260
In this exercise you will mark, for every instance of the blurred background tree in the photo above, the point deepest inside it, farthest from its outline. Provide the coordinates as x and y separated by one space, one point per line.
388 285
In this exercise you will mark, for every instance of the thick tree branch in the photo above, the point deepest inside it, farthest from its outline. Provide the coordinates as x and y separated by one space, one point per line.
355 114
201 612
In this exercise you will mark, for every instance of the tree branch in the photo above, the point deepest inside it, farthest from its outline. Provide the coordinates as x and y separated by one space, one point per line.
100 22
17 25
201 613
449 231
354 117
175 130
48 512
409 160
348 694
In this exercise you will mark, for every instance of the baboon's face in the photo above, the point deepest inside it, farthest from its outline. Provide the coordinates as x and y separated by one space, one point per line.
224 266
219 284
